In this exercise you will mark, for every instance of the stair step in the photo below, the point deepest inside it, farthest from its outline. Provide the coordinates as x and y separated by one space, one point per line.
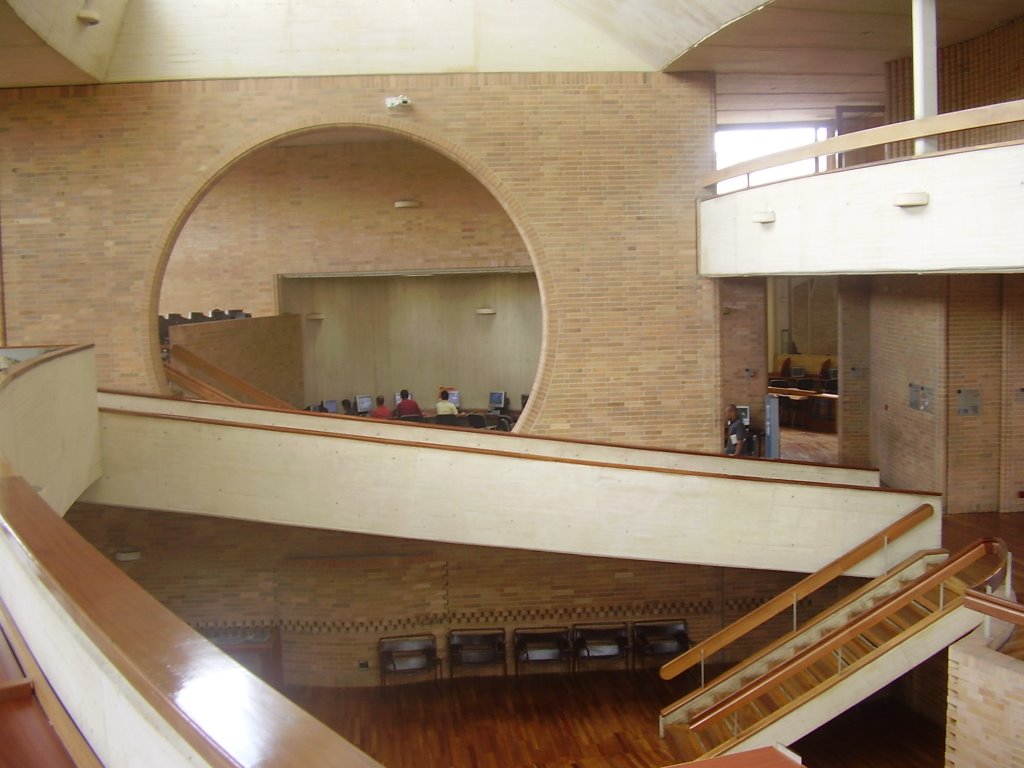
686 744
18 688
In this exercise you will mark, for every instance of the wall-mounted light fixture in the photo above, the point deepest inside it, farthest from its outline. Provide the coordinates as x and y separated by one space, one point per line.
486 311
763 217
407 203
391 102
127 555
314 315
88 14
911 199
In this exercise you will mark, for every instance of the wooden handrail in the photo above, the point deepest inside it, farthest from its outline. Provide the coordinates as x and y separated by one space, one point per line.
978 117
839 636
159 656
996 607
784 600
229 380
60 721
198 387
55 352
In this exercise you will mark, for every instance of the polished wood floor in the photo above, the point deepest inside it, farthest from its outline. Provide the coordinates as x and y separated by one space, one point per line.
588 720
599 719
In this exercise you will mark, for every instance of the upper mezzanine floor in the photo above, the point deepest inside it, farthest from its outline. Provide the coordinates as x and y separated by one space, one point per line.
952 211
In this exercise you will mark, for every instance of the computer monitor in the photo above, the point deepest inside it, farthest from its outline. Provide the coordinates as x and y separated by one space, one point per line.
364 403
496 401
398 397
455 397
797 371
331 406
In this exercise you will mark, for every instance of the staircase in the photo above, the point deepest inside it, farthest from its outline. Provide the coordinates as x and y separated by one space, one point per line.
838 658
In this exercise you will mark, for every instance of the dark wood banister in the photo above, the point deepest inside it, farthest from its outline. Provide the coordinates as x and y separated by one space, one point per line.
159 655
837 637
198 387
996 607
227 379
784 600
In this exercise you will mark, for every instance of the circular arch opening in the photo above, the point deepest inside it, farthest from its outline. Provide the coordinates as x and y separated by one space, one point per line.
386 253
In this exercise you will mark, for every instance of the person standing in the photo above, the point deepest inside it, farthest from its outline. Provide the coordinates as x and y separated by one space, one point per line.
735 433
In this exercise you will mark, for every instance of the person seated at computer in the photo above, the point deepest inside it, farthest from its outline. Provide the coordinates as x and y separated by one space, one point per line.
381 411
444 406
406 405
346 408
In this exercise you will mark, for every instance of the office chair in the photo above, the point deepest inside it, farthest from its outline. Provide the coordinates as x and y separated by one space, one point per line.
477 421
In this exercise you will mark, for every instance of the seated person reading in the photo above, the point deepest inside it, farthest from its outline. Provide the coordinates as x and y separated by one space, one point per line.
381 411
444 406
407 406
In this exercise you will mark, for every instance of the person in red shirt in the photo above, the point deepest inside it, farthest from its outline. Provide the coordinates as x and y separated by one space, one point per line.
407 406
381 411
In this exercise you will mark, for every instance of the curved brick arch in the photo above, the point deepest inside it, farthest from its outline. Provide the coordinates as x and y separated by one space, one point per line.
254 142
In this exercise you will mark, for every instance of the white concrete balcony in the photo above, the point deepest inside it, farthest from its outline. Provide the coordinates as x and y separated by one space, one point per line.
954 211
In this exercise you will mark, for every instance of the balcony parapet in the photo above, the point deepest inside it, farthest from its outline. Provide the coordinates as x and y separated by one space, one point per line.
953 211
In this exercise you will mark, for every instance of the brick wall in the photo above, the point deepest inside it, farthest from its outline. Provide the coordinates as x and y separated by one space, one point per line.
854 405
975 355
908 352
985 721
329 208
985 70
264 351
334 595
1011 447
595 171
742 343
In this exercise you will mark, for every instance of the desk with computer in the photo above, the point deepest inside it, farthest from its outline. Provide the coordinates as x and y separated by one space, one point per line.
497 415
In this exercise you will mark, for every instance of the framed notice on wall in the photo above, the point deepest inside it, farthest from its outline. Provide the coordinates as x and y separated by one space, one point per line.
968 402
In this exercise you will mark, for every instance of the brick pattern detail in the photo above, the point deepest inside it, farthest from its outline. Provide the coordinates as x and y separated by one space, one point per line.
985 716
333 595
975 355
592 168
743 339
329 208
985 70
854 405
264 351
908 333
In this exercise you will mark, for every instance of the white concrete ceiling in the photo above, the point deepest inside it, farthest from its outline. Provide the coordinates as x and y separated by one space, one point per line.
793 60
796 60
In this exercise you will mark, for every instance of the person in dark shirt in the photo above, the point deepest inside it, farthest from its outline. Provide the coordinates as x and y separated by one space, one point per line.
406 405
735 433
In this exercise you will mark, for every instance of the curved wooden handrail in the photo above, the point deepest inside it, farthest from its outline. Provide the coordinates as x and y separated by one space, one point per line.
827 644
978 117
27 365
507 454
784 600
228 379
227 716
201 388
996 607
734 461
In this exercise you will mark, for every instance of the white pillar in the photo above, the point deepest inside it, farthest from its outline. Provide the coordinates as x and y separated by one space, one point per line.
926 88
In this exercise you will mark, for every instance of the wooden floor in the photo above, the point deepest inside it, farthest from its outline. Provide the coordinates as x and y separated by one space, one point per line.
588 720
599 719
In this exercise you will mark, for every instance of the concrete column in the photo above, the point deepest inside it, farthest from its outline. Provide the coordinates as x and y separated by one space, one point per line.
926 89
